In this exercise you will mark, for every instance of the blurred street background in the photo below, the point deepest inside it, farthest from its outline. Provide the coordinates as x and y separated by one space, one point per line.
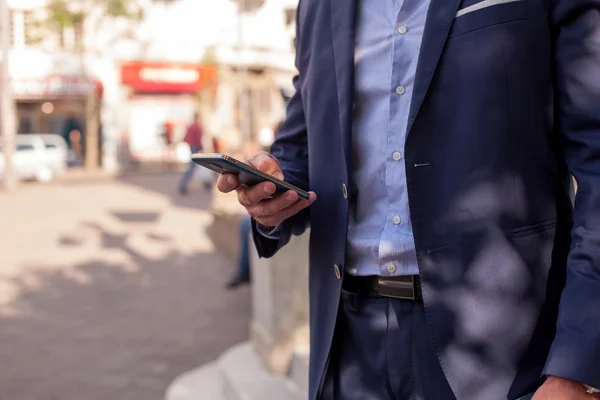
109 288
116 272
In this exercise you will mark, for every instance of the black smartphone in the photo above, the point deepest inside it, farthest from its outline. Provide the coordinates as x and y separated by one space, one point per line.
247 175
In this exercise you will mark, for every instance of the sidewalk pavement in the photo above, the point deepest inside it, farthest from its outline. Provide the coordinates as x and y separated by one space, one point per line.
109 289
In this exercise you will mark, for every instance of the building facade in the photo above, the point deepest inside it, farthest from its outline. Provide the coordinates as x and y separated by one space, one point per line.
119 81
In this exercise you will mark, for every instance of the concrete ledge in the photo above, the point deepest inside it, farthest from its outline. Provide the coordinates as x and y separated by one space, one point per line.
245 378
237 375
299 369
225 233
204 383
225 228
280 304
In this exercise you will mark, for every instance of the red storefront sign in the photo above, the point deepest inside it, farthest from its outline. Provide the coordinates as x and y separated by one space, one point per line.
166 78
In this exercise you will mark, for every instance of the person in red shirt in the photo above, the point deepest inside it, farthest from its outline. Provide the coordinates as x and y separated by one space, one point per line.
193 138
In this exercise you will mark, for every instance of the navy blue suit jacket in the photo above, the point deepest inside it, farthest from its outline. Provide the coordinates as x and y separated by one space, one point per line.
506 105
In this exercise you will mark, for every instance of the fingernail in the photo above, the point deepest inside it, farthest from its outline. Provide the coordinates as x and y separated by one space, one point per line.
230 180
290 196
268 188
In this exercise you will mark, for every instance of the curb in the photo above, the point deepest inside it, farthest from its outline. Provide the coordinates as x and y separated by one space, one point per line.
237 375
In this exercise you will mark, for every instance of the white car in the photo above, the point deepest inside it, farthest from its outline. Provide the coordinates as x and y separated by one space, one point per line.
31 160
57 152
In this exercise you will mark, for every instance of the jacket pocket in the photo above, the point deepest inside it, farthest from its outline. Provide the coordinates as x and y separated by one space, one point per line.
534 229
494 14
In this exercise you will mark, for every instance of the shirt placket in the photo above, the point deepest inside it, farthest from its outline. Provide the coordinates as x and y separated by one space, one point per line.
397 221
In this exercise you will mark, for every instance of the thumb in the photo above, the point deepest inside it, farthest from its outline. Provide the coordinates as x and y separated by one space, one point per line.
267 164
277 174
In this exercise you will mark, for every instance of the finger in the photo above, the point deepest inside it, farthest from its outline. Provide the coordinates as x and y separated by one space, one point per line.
266 163
227 182
253 195
281 216
262 155
288 212
267 208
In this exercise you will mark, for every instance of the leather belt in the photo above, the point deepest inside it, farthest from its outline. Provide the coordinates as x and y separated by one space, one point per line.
398 287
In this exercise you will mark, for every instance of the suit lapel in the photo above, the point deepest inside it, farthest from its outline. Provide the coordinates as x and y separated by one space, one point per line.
439 20
343 32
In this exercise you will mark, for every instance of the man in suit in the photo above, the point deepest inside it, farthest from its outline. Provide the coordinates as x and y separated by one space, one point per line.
446 258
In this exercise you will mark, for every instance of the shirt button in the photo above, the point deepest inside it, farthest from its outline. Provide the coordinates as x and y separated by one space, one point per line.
337 271
396 156
402 29
344 190
400 90
396 220
391 268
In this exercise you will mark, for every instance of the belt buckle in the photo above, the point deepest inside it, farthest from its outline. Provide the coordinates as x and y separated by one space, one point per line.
397 289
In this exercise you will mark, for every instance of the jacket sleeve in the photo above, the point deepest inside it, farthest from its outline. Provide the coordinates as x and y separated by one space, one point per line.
575 352
291 149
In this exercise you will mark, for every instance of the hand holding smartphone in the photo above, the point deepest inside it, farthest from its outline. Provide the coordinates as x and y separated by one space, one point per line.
267 199
247 174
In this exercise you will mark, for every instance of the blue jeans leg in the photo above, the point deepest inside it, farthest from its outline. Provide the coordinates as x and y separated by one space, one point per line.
189 172
244 257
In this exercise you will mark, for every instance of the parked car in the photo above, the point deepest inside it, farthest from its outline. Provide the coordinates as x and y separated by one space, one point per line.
31 159
57 152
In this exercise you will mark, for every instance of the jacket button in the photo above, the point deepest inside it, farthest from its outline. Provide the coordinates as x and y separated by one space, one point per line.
337 271
345 190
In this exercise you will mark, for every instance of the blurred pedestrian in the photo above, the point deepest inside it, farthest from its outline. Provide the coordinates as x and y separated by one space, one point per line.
167 137
193 138
216 145
242 273
76 147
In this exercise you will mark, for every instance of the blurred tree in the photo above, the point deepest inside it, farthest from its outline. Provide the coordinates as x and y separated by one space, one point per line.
64 15
210 57
249 5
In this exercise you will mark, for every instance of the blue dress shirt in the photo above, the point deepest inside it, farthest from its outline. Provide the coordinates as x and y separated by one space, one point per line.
388 40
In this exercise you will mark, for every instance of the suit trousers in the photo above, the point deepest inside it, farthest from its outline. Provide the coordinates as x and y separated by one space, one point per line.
382 350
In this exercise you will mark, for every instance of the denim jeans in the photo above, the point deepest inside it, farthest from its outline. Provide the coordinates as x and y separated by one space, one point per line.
244 256
189 172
